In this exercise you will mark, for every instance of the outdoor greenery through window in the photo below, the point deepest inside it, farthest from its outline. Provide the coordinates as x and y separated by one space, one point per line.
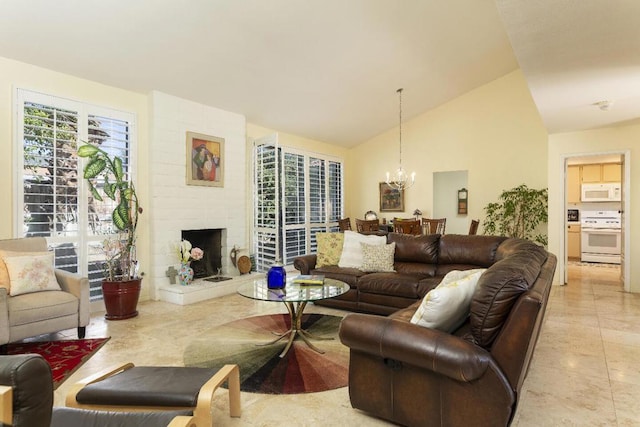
53 199
297 194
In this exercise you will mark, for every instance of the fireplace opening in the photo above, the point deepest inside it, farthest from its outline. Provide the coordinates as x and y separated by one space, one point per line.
210 241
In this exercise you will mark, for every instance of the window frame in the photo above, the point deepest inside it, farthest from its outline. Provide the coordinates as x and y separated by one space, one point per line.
83 110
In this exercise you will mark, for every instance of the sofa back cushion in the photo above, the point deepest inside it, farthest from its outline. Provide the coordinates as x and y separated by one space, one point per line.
500 286
464 249
410 248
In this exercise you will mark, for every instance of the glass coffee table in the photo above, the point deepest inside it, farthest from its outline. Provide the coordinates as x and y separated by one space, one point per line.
295 297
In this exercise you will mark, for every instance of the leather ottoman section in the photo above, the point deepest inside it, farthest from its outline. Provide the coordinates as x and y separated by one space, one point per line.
41 305
387 284
347 275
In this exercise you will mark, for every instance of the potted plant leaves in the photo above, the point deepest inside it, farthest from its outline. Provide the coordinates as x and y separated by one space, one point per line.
122 281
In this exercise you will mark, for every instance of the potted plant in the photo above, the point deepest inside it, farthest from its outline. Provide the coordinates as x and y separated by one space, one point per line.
122 282
518 214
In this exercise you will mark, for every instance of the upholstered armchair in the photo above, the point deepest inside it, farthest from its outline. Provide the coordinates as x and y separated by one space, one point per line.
25 313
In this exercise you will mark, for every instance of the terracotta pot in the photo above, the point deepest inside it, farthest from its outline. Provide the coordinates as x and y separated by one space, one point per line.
121 298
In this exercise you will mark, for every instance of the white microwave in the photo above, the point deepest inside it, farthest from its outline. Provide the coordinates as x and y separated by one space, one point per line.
607 192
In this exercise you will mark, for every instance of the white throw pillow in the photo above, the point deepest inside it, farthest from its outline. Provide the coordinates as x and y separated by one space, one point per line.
447 306
378 257
352 251
31 273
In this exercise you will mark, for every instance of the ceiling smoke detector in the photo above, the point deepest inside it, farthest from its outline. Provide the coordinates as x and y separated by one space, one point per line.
603 105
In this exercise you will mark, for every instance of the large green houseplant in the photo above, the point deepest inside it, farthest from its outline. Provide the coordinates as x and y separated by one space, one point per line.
105 175
519 213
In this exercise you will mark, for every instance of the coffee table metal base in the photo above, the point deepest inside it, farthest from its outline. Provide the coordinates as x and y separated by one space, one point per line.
295 313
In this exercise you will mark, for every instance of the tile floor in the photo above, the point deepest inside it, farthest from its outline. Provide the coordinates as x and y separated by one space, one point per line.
585 371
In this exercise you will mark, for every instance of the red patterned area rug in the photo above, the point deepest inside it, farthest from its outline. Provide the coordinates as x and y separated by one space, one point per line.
64 357
302 370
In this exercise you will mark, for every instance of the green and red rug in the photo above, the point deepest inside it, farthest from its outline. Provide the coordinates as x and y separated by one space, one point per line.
64 357
302 370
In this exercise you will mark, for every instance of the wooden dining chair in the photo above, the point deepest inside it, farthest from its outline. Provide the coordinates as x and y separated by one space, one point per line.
407 226
473 228
367 226
433 226
344 224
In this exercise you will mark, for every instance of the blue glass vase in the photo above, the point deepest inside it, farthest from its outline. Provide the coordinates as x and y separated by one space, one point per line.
276 276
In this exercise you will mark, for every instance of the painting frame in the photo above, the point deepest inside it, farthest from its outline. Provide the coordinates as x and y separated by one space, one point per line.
205 160
391 199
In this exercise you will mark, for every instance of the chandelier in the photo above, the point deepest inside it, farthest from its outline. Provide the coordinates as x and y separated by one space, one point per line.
400 179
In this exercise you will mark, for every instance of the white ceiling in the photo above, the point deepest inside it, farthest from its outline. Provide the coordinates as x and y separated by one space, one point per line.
329 69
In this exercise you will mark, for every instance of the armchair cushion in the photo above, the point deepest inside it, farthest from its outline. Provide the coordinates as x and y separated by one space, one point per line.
31 272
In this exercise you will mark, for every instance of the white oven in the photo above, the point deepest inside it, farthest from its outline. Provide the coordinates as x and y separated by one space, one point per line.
601 236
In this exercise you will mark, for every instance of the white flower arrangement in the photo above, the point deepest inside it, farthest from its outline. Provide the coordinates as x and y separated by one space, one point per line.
186 252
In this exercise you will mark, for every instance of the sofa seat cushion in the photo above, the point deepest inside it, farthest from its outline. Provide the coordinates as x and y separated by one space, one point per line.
39 306
347 275
417 269
401 285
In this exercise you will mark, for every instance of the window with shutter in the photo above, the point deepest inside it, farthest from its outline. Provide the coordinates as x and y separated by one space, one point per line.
53 201
297 194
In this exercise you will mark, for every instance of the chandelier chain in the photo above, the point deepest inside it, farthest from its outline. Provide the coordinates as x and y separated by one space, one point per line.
400 127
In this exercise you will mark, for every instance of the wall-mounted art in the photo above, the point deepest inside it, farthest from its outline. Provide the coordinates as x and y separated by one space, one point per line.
205 160
391 199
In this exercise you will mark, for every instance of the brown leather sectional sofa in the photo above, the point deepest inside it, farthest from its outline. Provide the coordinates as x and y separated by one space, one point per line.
417 376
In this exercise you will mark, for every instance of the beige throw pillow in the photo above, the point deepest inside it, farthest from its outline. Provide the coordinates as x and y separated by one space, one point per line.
447 306
329 248
352 251
5 282
31 273
378 258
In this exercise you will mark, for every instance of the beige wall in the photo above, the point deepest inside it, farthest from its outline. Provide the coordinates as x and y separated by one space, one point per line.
619 139
494 132
295 141
20 75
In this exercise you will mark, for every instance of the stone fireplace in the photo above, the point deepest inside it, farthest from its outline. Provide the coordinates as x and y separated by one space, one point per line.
210 241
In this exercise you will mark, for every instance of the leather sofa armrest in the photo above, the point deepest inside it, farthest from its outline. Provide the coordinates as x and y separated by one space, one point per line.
305 263
415 345
78 286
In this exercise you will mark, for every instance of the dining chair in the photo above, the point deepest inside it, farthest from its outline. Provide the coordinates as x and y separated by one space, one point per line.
407 226
433 226
344 224
364 225
473 228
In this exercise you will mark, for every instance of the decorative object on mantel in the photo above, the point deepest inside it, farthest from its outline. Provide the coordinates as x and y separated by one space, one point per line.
244 264
400 180
205 160
187 253
122 278
171 273
417 213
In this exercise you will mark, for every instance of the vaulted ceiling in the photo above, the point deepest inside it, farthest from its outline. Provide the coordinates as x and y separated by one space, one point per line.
329 69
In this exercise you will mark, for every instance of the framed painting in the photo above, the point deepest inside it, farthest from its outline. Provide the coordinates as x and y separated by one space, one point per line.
205 160
391 199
